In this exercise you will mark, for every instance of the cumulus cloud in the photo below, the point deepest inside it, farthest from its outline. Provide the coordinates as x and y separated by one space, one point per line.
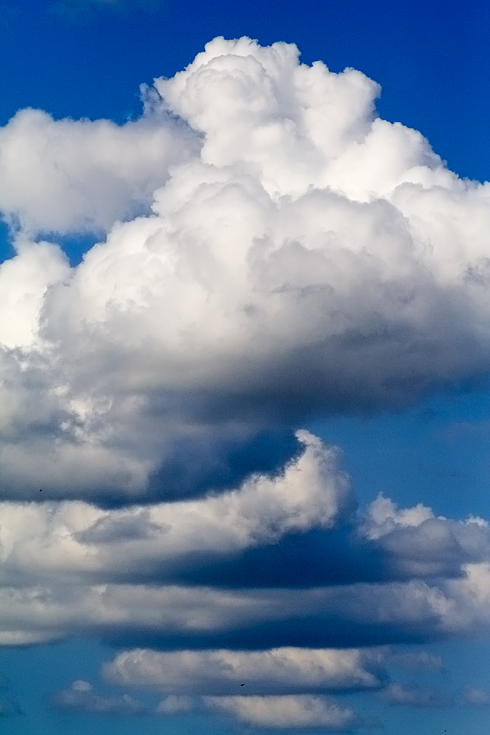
269 251
191 574
81 697
416 543
283 670
296 529
74 175
70 537
302 256
288 712
180 617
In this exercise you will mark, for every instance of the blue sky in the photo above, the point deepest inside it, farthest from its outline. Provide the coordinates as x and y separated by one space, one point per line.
244 367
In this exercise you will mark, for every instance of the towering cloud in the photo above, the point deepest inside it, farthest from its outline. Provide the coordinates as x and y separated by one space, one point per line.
270 251
302 256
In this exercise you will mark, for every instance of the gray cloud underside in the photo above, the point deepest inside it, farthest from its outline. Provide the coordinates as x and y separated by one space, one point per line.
180 617
282 560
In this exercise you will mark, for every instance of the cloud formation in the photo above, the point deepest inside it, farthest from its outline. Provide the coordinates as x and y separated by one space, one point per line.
288 712
81 697
270 251
397 694
476 696
302 256
283 670
73 175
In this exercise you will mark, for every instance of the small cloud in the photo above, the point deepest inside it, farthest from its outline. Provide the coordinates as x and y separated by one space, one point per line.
287 712
476 696
174 705
415 660
81 697
397 694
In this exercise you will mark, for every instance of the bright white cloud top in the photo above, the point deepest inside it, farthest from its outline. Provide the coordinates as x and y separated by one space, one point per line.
270 251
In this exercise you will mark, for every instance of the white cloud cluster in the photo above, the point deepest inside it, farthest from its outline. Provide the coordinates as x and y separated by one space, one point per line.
301 256
270 250
283 670
74 175
416 543
287 712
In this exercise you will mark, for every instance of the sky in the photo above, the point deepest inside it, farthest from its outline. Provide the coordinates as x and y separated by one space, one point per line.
244 367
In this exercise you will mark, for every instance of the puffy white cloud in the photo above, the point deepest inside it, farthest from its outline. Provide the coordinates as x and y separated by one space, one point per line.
24 281
287 712
72 175
384 516
279 670
302 256
81 697
270 250
416 543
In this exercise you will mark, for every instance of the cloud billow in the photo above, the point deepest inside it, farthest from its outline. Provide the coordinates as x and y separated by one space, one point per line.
270 251
302 257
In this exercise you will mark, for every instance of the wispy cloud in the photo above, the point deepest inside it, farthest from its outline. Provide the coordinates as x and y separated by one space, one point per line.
398 694
476 696
81 697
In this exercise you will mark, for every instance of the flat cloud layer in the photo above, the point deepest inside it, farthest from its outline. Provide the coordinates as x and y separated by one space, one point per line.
270 251
302 256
